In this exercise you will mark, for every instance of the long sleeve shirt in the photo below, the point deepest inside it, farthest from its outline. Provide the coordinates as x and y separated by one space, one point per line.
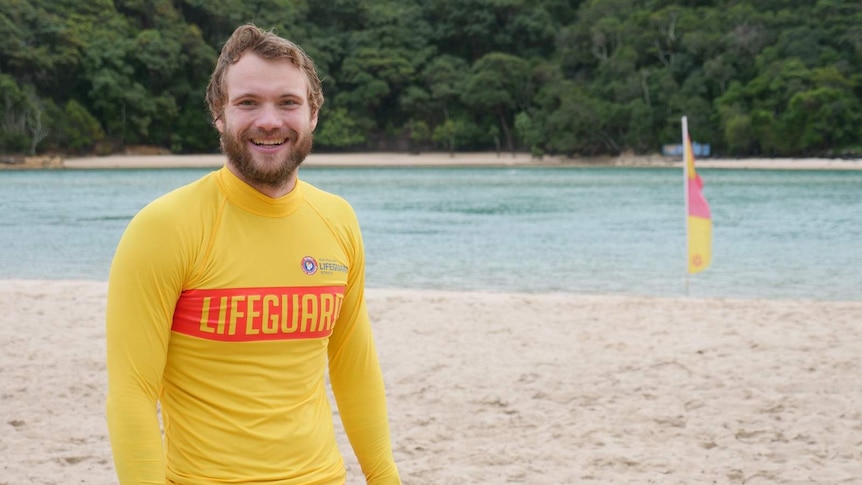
225 310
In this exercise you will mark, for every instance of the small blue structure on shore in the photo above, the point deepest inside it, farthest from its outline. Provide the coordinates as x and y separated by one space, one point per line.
675 150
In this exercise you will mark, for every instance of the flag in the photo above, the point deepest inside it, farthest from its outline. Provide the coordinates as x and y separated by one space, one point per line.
699 219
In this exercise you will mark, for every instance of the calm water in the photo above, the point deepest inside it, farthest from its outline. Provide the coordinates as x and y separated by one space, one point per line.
777 234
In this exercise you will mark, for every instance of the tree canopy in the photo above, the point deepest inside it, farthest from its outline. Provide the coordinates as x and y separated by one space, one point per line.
567 77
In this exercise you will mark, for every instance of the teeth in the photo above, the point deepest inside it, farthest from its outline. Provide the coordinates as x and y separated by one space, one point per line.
268 142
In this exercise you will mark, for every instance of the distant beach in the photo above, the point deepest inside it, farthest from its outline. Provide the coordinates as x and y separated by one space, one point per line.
465 159
146 159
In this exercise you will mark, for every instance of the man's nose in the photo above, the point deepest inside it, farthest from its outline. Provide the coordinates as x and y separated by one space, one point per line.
268 117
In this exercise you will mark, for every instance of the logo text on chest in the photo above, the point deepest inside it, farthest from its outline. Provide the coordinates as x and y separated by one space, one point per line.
250 314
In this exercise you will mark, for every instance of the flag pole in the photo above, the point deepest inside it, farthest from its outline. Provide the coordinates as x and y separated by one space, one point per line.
685 158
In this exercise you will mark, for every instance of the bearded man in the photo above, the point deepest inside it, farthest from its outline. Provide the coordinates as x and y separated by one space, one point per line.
230 298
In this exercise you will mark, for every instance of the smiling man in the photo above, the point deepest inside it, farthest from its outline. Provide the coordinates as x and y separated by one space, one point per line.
229 299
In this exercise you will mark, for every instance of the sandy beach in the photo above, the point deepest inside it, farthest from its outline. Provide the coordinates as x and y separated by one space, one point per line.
488 388
464 159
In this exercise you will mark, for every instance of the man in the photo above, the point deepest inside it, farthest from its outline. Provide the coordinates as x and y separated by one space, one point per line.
229 297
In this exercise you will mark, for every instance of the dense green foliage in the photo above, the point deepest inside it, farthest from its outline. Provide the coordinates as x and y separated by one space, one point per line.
779 78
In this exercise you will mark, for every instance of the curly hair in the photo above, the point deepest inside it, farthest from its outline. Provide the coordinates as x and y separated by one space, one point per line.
267 45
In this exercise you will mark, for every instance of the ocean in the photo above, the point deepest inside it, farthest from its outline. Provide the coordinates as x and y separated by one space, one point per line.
776 233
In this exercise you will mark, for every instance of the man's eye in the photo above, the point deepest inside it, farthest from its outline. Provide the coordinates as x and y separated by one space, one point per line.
246 102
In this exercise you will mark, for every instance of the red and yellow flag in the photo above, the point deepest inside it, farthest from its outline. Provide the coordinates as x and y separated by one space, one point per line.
699 223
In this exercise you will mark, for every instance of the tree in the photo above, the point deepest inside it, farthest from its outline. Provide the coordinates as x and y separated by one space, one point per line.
35 122
13 134
470 29
825 116
337 129
530 133
499 83
79 131
419 133
382 62
444 134
444 77
598 76
577 123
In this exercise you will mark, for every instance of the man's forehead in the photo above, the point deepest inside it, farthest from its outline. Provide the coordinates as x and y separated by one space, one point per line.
252 72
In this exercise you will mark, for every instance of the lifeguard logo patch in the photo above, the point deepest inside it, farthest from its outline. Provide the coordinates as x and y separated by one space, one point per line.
255 314
309 265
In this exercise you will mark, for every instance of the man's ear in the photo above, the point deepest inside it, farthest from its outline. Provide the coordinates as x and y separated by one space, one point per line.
219 124
314 119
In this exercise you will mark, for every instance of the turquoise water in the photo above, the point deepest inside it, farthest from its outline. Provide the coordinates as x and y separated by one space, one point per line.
777 234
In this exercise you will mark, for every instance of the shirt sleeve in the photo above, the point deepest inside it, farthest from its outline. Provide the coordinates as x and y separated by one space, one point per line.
143 287
357 381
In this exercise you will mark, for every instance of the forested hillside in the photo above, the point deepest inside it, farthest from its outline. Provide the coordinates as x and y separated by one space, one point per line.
567 77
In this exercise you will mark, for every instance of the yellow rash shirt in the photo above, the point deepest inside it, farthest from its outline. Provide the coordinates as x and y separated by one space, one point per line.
225 307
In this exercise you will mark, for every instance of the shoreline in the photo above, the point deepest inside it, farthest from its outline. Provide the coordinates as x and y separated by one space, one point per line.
6 283
485 159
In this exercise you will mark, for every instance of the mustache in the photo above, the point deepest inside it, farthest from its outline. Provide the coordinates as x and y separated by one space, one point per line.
286 133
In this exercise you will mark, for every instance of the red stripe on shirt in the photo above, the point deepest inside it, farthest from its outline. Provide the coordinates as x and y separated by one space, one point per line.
257 314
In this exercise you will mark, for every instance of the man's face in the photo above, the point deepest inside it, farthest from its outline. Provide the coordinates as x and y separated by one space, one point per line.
266 128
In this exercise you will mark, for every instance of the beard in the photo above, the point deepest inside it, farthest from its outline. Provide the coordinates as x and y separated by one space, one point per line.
261 169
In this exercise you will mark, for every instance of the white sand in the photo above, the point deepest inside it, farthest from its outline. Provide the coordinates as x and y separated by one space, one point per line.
510 388
462 159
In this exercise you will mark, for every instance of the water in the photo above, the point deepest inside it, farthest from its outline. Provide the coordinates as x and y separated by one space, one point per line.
777 234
